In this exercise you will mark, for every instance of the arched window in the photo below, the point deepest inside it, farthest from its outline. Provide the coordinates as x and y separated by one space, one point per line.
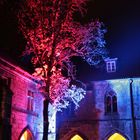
27 135
76 137
110 102
114 102
117 136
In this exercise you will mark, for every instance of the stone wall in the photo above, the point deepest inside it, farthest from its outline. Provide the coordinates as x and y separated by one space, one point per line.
20 114
21 117
91 120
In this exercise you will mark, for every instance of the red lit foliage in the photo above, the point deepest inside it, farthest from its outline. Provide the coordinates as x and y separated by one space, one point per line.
53 38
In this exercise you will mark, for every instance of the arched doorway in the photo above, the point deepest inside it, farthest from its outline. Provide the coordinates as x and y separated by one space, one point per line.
76 137
27 135
116 136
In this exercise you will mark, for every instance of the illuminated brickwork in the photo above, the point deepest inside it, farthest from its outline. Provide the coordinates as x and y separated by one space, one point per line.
94 122
22 115
21 107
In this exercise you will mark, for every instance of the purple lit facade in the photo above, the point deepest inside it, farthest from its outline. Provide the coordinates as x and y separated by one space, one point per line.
109 107
21 104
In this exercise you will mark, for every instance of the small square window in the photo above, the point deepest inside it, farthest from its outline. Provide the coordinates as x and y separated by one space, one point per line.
111 65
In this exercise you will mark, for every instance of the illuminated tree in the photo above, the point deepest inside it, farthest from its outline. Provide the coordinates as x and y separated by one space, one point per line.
53 38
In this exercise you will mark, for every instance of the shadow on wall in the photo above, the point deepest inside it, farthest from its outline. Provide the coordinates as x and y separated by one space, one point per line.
5 110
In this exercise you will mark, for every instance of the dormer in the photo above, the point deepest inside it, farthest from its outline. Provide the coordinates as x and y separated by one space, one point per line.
111 64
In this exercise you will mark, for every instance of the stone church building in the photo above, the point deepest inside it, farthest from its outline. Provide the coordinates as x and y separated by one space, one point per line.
109 111
21 104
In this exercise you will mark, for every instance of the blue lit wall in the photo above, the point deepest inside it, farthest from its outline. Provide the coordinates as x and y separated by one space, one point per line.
91 119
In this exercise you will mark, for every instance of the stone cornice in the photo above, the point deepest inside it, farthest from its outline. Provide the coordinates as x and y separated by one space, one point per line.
4 64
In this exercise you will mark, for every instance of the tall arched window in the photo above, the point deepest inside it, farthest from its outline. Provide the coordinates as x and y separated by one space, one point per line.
114 103
111 102
117 136
76 137
108 104
27 135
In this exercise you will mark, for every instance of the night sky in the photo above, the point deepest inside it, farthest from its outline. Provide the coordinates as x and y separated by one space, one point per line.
121 18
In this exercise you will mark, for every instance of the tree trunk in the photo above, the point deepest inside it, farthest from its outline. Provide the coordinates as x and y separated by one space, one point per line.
46 121
48 82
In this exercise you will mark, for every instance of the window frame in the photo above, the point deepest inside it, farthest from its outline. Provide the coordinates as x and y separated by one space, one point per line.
111 107
111 66
30 100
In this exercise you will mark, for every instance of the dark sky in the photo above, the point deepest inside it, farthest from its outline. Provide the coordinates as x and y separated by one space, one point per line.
121 18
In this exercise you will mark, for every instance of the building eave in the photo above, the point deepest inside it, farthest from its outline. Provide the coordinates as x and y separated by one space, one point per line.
6 65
